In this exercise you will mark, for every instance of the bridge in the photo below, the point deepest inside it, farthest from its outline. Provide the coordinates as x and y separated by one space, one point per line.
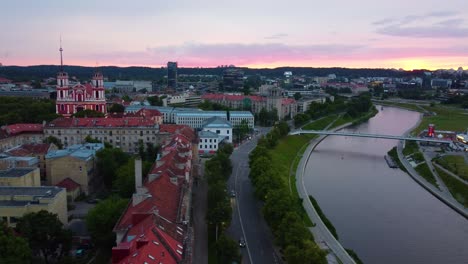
348 134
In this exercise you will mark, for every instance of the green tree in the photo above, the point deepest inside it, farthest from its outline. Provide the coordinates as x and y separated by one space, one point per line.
297 96
116 108
108 162
227 250
102 219
126 98
54 140
88 113
241 130
45 234
89 139
13 249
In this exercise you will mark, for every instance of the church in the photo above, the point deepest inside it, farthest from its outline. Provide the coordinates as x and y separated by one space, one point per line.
79 97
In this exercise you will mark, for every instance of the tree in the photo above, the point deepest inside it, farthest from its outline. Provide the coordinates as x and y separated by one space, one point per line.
88 113
241 130
297 96
45 235
117 108
227 250
89 139
13 249
54 140
108 162
102 219
126 98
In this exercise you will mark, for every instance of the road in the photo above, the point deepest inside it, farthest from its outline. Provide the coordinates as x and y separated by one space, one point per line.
247 219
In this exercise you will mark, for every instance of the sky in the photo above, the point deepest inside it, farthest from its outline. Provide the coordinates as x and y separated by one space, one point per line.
408 34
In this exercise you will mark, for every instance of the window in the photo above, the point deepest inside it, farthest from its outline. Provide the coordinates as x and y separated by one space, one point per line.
210 140
228 132
206 146
201 146
218 131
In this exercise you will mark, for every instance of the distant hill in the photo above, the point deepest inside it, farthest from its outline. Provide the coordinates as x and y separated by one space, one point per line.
20 73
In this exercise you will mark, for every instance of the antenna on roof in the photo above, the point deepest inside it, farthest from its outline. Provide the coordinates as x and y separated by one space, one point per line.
61 57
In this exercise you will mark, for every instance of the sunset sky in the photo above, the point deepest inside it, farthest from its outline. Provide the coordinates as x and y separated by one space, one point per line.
409 34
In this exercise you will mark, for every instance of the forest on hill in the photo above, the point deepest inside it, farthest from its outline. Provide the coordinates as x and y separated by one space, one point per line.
38 72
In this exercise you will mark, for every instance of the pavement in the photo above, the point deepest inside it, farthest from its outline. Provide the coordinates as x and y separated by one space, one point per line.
322 235
247 219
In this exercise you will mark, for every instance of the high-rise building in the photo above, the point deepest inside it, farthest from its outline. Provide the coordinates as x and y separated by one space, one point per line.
172 75
233 79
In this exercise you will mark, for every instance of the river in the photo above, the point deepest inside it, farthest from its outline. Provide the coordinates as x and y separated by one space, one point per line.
379 212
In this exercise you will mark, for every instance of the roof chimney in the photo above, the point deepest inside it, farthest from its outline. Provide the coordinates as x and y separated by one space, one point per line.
138 174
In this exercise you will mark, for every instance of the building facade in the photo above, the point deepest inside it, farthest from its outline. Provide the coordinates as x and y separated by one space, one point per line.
79 97
172 75
18 134
18 201
219 126
77 162
233 79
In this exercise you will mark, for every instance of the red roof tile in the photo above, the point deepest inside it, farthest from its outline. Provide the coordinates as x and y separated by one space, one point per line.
68 184
29 150
16 129
101 122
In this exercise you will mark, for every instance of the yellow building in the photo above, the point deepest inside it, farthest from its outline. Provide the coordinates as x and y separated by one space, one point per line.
20 177
77 162
17 201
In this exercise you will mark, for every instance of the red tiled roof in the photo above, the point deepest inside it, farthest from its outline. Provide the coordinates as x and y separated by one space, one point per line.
4 80
232 97
16 129
30 149
101 122
145 243
68 184
287 101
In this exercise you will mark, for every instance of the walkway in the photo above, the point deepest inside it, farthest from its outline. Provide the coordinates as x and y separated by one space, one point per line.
349 134
321 233
450 173
431 188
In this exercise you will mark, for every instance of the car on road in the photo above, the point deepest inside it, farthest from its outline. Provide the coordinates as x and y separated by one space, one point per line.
241 242
93 201
233 193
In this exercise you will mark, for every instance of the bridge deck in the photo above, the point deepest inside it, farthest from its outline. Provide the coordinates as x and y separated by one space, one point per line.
332 133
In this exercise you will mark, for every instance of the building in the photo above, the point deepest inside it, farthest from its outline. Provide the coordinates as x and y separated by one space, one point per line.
208 142
79 97
195 117
154 226
233 79
20 177
38 150
304 104
18 134
77 163
18 201
219 126
441 83
286 107
172 75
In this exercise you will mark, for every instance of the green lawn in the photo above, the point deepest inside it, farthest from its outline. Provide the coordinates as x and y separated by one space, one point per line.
458 190
447 118
455 164
426 173
321 123
410 148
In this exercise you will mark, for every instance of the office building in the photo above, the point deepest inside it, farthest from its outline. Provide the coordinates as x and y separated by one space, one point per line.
233 79
172 75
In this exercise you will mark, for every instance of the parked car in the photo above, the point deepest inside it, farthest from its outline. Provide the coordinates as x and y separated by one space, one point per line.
233 193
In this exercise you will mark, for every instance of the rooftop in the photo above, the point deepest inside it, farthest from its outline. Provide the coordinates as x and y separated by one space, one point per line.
23 128
216 122
207 134
68 184
101 122
15 172
84 151
42 191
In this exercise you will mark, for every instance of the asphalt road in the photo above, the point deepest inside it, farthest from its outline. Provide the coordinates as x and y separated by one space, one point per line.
247 220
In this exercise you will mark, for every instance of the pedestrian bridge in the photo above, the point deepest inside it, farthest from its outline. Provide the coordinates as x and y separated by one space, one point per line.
348 134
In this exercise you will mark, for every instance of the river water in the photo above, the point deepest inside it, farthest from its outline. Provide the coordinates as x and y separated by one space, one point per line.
379 212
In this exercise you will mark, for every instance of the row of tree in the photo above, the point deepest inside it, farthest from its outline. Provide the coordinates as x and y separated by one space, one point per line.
280 209
26 110
217 172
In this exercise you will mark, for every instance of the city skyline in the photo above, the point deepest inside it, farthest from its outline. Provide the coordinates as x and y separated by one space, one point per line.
401 34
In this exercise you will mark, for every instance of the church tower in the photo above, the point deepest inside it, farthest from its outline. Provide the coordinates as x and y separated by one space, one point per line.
98 92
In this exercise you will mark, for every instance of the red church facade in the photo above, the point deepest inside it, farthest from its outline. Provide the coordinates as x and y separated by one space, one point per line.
79 97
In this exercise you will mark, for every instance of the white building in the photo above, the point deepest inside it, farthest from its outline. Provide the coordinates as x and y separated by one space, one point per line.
220 127
209 142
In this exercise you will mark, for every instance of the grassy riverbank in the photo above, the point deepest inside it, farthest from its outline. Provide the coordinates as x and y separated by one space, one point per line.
324 218
393 153
458 190
425 172
455 164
